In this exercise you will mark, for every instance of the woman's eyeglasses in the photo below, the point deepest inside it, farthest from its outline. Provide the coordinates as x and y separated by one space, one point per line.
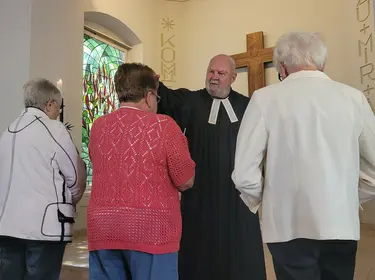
157 96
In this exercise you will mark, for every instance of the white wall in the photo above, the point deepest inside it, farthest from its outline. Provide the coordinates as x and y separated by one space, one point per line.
141 16
41 38
213 27
56 52
14 57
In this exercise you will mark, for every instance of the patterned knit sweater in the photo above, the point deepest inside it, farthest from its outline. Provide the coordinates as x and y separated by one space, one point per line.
138 159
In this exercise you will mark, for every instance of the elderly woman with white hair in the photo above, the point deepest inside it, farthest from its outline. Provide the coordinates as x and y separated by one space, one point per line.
42 178
315 137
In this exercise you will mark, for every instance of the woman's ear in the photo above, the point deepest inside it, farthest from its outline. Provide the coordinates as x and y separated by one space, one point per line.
148 99
48 106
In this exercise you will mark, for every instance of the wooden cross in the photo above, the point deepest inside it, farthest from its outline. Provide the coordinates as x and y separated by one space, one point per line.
254 59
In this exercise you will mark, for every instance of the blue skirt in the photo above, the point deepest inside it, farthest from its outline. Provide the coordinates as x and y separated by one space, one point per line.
132 265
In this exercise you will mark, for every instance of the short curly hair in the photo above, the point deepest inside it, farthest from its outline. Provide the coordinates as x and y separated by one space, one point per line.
300 49
133 81
39 91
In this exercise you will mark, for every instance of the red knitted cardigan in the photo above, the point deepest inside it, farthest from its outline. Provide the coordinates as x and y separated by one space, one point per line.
138 159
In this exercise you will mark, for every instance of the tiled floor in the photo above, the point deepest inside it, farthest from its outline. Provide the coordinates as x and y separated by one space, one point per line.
76 259
365 266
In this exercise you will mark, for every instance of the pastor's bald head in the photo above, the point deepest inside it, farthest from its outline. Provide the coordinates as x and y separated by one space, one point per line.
221 73
224 60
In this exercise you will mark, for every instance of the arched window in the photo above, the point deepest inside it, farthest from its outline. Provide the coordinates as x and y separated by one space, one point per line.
101 58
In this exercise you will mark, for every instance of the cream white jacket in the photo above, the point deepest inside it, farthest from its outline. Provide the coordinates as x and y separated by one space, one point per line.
38 179
317 139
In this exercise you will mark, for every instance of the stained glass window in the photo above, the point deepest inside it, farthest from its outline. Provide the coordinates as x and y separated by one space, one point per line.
100 62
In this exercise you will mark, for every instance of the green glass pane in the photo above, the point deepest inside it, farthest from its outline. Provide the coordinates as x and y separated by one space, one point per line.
100 63
93 42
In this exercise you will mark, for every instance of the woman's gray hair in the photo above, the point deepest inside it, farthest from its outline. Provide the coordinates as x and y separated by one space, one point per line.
300 49
38 92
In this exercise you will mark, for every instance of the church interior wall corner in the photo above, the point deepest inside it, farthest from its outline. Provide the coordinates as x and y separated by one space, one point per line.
113 26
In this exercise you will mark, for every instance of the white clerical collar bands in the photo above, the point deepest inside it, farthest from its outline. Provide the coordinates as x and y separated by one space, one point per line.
215 110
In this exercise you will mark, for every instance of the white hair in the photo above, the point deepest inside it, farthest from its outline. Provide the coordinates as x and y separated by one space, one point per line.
300 49
38 92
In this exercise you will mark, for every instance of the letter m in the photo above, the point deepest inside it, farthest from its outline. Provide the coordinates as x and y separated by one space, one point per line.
168 73
360 44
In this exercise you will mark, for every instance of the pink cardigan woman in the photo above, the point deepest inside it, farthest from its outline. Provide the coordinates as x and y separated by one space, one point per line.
140 163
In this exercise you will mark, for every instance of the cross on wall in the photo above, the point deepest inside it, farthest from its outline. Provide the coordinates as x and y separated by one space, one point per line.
255 60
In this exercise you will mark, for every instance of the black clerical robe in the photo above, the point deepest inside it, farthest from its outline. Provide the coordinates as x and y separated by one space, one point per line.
221 238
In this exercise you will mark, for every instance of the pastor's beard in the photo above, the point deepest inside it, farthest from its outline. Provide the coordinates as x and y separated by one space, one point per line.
219 93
